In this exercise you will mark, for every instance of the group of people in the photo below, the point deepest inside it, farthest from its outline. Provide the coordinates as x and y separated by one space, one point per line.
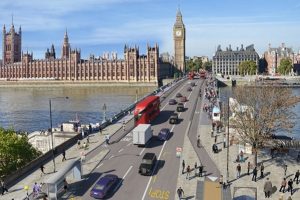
188 170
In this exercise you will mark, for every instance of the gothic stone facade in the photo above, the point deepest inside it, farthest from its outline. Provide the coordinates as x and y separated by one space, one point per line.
70 67
227 62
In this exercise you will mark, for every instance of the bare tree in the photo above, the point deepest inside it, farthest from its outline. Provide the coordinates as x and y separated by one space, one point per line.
260 112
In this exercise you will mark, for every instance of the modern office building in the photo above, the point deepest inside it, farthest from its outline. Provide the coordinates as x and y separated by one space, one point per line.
17 65
226 62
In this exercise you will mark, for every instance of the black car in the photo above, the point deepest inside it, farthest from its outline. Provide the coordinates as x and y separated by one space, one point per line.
189 89
178 95
173 119
148 163
172 102
180 107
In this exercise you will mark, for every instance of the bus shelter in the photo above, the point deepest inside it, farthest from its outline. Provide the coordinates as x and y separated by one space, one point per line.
55 183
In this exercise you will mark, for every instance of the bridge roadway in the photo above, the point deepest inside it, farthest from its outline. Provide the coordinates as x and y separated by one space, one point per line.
124 158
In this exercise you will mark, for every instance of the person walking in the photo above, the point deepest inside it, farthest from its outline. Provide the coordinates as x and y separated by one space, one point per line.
254 174
198 141
42 170
36 189
64 156
188 172
221 181
290 186
238 170
3 187
78 144
241 156
200 170
285 169
262 168
248 168
180 193
216 138
66 186
88 139
297 176
268 188
224 141
283 185
183 166
107 139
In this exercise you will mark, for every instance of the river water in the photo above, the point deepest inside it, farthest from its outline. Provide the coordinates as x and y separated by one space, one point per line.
226 92
27 109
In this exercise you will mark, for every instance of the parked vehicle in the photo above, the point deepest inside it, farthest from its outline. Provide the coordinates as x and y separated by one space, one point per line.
189 89
103 186
180 107
164 134
172 102
183 99
193 84
148 163
142 134
146 110
178 95
173 119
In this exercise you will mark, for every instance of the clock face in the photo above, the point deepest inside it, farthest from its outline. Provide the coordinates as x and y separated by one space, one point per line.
178 33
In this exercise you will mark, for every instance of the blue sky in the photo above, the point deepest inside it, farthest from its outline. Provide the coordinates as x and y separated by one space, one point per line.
98 26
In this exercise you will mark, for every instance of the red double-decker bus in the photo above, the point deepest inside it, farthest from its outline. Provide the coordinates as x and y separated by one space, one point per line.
203 74
146 110
191 75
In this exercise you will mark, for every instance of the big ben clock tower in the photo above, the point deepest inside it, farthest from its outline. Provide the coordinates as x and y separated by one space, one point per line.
179 42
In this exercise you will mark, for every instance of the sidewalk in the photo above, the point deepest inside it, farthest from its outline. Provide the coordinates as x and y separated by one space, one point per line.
96 139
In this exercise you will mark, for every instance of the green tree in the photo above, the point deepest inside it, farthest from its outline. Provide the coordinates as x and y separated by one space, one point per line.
263 113
193 64
207 66
247 67
285 66
15 151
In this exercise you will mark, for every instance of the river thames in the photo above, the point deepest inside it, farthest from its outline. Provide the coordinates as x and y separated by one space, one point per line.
227 91
27 109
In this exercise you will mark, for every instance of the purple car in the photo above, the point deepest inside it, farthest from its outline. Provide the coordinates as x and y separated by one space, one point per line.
164 134
103 186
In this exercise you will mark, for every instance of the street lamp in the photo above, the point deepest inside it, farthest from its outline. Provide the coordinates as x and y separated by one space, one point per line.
228 110
104 113
52 145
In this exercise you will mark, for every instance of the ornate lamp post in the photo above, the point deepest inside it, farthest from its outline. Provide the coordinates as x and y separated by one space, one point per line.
52 145
104 113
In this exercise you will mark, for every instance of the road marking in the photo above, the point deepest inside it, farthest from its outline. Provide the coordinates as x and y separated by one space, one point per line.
123 178
100 165
128 144
159 194
154 179
111 157
142 151
121 150
144 195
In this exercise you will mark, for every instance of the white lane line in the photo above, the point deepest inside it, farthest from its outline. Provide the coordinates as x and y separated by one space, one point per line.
128 144
111 157
144 195
142 151
123 178
172 98
121 150
99 165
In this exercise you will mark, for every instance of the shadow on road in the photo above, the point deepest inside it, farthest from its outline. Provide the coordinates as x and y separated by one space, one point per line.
163 117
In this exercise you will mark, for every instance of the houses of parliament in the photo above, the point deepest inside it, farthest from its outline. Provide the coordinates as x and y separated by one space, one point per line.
17 65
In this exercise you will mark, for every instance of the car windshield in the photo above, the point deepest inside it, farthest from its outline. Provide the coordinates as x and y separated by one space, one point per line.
99 187
148 162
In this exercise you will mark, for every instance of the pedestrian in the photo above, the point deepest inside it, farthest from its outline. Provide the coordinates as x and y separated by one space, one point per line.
124 125
248 168
285 169
183 166
84 145
297 176
283 185
64 156
216 137
200 170
188 172
241 156
42 170
3 187
262 168
36 189
65 185
268 188
238 169
88 139
221 180
198 141
254 174
107 139
78 144
290 186
180 193
224 141
100 129
195 165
